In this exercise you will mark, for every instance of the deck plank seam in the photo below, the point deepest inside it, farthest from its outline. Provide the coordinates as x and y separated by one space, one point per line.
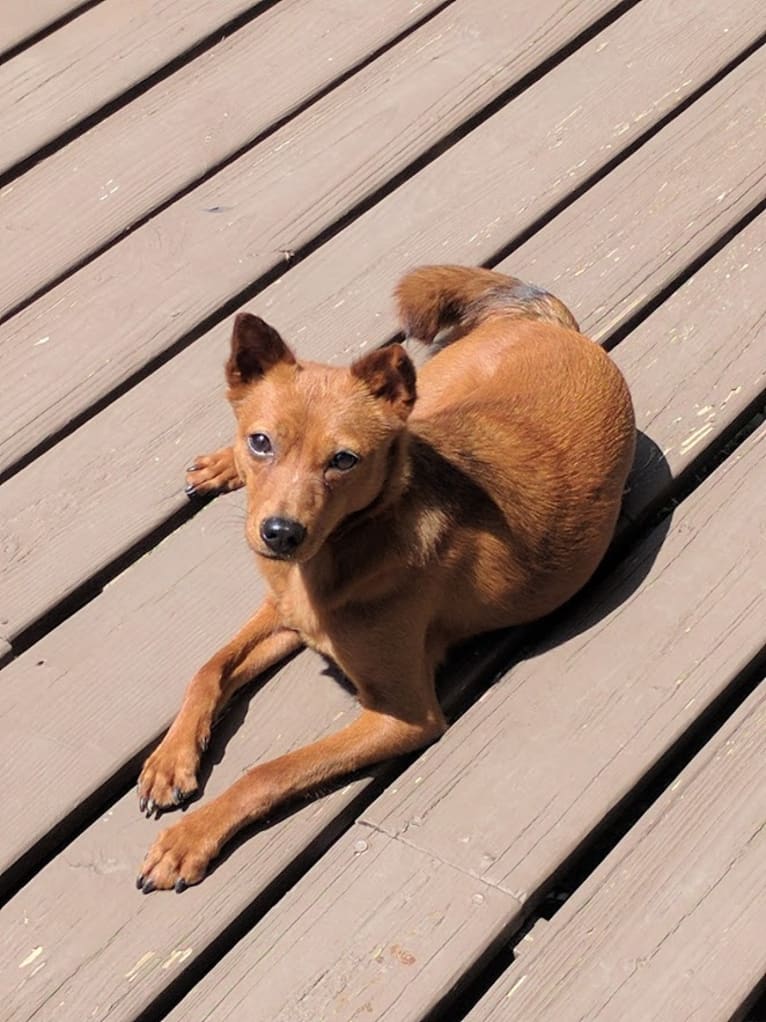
201 46
599 844
311 100
255 910
619 158
279 269
694 266
46 30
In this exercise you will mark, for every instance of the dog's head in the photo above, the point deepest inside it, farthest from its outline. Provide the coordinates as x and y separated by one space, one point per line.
314 442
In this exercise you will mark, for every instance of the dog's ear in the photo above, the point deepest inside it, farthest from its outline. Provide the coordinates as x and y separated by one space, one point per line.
389 374
255 348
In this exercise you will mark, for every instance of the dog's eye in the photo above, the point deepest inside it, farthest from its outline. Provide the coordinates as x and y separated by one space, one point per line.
259 444
344 460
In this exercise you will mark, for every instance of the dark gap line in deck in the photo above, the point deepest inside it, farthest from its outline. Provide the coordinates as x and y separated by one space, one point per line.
84 815
727 442
134 91
305 104
46 30
252 914
602 841
577 193
622 331
246 294
754 1007
93 586
43 851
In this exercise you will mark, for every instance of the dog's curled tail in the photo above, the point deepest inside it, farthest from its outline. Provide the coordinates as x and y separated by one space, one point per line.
430 298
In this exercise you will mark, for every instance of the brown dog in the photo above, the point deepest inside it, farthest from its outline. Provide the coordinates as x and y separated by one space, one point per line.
390 526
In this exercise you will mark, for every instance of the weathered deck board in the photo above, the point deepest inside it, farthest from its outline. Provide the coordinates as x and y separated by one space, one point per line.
100 866
696 364
271 201
427 912
698 351
522 778
113 464
48 88
20 21
687 184
122 692
670 925
107 852
129 163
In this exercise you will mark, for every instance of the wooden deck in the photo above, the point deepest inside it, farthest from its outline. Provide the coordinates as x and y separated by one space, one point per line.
588 841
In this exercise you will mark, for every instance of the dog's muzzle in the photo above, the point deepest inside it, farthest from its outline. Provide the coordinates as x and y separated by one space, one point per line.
283 536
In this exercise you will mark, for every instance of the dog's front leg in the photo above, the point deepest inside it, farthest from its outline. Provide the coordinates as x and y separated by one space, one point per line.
169 775
181 854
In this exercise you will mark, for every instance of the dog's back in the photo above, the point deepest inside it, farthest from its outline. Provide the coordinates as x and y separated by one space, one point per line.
537 416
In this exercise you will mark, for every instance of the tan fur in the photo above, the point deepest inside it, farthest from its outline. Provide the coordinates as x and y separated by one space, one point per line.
485 501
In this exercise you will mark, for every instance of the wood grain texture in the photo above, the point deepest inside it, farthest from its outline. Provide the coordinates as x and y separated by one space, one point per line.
522 778
696 365
21 20
669 926
126 165
115 464
75 907
181 266
94 691
460 208
428 911
48 88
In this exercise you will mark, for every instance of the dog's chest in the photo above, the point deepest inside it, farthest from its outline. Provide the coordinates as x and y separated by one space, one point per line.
298 612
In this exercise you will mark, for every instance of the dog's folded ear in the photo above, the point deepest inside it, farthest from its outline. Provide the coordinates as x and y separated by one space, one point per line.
389 374
255 348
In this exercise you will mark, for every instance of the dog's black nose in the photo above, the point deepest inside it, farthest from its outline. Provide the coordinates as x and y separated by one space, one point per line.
282 535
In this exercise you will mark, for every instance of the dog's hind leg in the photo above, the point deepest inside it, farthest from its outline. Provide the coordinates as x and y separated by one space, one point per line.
213 473
169 775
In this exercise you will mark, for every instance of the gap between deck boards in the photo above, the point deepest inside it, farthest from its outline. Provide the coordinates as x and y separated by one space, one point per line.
236 257
147 156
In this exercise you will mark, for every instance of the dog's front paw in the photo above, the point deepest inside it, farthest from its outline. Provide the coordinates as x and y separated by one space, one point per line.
213 473
169 776
181 854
